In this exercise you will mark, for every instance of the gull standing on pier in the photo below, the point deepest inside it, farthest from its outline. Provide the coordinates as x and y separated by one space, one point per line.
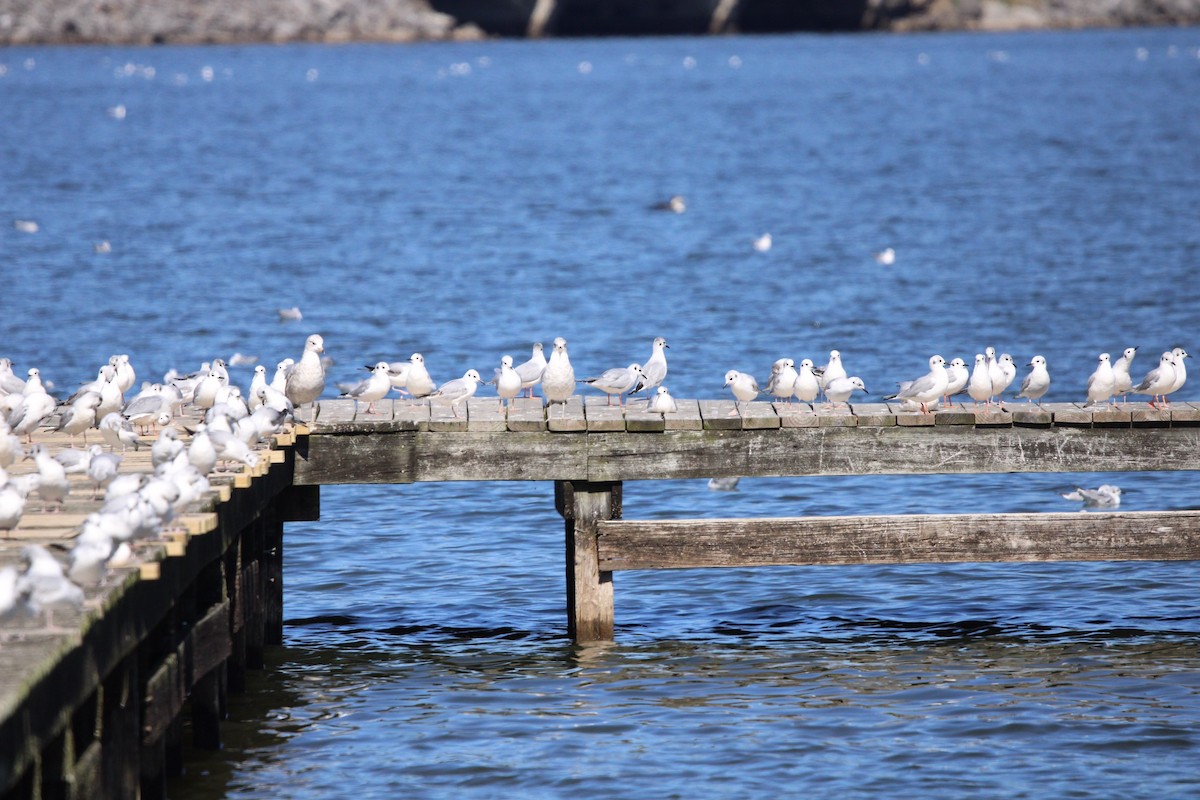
279 379
980 385
49 588
1008 373
260 379
831 371
417 380
995 374
1036 382
53 486
508 381
839 390
744 388
558 381
958 377
1121 370
531 370
618 381
654 371
1102 382
78 417
1177 357
306 380
782 383
36 406
662 402
373 388
807 386
1158 379
12 504
459 389
927 388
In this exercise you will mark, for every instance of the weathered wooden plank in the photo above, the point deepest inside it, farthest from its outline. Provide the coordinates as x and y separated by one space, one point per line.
719 415
639 420
602 416
205 647
759 415
445 417
420 456
685 418
1031 414
1148 417
795 415
1185 414
484 414
914 419
895 450
995 417
842 416
526 414
685 544
566 417
409 414
875 415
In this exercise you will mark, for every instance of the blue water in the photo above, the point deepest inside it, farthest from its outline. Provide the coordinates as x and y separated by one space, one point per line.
466 200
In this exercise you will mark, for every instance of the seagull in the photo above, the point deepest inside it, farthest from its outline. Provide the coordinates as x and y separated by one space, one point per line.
1036 382
1177 357
763 243
995 373
9 382
14 596
980 385
101 470
926 389
1105 496
459 389
531 370
743 386
79 416
959 375
35 408
558 381
674 204
166 447
662 402
53 485
723 484
373 388
1158 379
1102 383
306 380
832 370
1121 370
279 379
49 588
118 431
654 371
12 506
1008 373
782 384
417 380
807 385
290 314
616 381
840 389
886 257
508 381
259 379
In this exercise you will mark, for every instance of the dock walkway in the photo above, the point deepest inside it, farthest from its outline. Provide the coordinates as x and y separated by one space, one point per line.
93 707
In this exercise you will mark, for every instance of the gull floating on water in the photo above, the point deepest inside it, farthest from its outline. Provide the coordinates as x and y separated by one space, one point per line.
1105 496
290 314
25 225
674 204
763 243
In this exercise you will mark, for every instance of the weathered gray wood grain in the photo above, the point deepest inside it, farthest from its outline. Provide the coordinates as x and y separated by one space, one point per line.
1124 536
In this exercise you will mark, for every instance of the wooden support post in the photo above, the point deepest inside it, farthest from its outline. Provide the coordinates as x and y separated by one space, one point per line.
271 575
206 711
589 590
120 730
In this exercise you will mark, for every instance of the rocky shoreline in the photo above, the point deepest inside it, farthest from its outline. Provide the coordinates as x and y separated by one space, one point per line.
244 21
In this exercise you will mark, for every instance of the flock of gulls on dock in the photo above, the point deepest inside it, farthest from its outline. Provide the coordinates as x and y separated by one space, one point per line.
227 426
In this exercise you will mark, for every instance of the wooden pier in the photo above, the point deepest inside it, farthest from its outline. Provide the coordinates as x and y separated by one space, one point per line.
94 711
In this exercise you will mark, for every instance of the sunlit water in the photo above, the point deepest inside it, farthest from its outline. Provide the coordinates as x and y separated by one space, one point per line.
466 200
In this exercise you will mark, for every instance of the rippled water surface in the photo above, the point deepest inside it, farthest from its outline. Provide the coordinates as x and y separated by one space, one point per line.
465 200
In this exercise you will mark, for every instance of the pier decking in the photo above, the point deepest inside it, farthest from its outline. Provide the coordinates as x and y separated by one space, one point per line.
93 709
